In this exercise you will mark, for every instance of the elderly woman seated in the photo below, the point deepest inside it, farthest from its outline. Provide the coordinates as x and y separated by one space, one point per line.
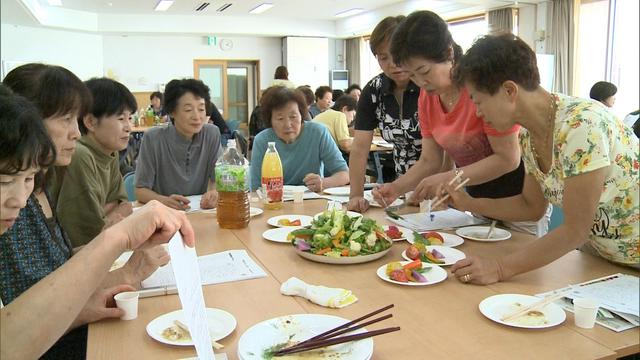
303 146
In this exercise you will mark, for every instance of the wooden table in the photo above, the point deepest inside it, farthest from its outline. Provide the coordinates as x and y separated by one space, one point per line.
439 321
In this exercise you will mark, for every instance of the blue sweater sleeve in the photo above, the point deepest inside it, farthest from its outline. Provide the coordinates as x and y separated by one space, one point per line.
330 154
257 154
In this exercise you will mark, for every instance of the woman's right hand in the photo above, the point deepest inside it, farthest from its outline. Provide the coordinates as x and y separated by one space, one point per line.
358 204
153 224
458 199
176 201
385 194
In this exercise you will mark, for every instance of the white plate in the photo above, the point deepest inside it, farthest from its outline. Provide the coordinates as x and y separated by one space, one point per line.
340 191
369 197
451 255
405 232
434 276
497 306
346 260
305 220
479 233
221 324
279 234
450 240
349 213
299 327
253 211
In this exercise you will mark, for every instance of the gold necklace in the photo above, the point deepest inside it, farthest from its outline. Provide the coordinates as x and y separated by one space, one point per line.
449 103
549 130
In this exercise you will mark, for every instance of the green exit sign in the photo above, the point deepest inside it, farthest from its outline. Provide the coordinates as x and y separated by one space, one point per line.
212 40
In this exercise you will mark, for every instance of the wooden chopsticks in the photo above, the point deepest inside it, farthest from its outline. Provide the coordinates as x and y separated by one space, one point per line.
536 305
444 198
331 337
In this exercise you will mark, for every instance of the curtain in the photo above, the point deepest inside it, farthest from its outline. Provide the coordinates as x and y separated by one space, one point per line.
352 55
561 25
500 21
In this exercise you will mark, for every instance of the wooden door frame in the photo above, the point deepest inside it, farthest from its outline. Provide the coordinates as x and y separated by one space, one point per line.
223 62
197 63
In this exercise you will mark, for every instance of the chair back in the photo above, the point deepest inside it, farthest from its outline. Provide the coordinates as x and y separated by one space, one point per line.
241 143
557 218
128 185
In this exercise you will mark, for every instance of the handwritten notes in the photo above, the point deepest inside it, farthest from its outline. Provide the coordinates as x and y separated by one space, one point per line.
187 276
226 266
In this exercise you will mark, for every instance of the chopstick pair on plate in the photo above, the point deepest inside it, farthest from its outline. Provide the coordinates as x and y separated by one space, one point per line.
535 306
331 337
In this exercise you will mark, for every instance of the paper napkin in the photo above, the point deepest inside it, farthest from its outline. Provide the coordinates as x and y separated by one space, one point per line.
321 295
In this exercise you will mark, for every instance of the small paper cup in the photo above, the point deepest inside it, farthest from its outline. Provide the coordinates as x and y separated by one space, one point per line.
298 196
128 302
585 311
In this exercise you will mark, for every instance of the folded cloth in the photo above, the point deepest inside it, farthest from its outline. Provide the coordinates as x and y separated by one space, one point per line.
321 295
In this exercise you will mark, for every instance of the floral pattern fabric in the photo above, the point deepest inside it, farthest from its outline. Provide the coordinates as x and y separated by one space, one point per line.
587 137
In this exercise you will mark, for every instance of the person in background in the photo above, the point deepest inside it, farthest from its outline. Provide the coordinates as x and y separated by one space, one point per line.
156 104
632 120
337 121
281 78
578 156
214 117
304 146
323 97
91 195
178 160
31 323
354 90
309 98
36 244
389 102
335 95
605 92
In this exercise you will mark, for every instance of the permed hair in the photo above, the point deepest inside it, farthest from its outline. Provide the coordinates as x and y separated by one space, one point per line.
277 97
175 89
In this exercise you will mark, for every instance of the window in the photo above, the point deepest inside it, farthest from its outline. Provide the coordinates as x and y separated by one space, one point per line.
465 32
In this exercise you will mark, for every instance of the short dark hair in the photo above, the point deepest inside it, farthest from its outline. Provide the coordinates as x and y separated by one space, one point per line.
424 34
494 59
175 89
335 94
156 94
352 87
345 100
321 90
602 90
24 141
109 98
308 94
281 73
383 31
53 89
278 96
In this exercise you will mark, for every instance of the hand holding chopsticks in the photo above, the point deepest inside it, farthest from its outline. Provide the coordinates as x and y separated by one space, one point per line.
444 198
331 337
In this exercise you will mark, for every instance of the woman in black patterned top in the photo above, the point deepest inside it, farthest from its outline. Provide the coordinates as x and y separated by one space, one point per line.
388 102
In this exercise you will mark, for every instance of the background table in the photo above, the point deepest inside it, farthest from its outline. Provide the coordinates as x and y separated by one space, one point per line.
439 321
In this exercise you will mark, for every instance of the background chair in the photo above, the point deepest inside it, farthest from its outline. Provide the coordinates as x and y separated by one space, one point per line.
128 185
557 218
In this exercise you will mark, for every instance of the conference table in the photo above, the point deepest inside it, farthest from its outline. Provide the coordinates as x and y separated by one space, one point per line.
437 321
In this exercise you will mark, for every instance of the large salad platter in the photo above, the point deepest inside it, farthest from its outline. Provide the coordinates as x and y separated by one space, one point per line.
336 238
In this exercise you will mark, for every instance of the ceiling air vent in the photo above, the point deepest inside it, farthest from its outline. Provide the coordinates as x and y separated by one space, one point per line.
223 7
202 6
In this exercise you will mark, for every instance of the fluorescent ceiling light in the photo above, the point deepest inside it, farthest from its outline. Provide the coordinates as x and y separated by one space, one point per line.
349 12
261 8
163 5
55 2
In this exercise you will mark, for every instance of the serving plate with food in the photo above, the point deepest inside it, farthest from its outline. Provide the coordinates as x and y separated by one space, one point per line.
411 273
436 238
433 254
397 233
334 237
165 329
290 220
279 235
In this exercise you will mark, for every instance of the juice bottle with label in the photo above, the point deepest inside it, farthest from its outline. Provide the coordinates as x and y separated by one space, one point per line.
272 178
233 189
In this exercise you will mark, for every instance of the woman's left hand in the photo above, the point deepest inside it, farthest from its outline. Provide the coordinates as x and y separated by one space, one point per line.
209 199
101 305
477 270
313 182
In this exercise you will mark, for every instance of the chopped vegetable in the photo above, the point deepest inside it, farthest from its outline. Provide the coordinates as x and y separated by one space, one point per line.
419 277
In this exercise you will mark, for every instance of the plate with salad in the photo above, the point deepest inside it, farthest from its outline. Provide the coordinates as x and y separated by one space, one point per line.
433 254
411 273
334 237
435 238
290 220
397 233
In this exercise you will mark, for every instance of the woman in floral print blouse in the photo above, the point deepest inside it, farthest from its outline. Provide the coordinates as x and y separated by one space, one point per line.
577 155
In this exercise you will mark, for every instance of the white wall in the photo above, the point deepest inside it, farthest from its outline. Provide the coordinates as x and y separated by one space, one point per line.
527 24
307 60
79 52
143 62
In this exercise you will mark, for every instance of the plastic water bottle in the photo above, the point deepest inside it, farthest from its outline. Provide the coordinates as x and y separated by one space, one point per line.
232 172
